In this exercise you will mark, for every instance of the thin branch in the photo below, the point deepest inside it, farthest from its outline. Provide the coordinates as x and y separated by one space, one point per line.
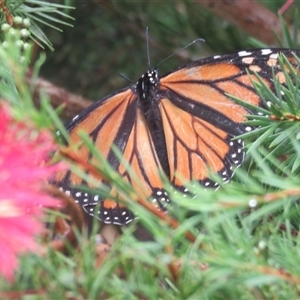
59 96
249 15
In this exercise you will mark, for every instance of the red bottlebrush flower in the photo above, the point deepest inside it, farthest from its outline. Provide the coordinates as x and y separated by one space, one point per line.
23 172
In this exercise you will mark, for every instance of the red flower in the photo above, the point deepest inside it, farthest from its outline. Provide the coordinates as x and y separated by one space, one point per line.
23 172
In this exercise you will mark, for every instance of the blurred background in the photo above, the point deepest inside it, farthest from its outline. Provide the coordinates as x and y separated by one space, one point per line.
108 38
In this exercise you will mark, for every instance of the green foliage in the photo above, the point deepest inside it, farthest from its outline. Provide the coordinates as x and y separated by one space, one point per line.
15 57
114 39
247 233
31 13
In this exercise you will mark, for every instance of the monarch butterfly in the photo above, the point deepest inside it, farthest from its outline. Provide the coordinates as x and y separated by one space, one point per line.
181 123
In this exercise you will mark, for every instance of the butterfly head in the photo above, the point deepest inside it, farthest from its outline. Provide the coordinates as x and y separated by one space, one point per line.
147 83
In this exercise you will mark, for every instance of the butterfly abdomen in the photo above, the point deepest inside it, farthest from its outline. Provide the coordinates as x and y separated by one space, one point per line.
147 89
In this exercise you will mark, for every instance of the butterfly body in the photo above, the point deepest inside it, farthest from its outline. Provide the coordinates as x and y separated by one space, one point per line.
183 123
148 101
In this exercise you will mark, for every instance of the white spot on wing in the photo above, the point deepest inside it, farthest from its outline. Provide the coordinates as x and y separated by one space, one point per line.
274 55
266 51
244 53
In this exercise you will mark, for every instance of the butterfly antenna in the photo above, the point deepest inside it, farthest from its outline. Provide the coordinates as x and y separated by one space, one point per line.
188 45
148 54
126 78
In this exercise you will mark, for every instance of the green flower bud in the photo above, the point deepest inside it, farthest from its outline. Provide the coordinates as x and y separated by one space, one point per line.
26 22
26 46
5 44
5 27
19 43
24 33
12 31
18 20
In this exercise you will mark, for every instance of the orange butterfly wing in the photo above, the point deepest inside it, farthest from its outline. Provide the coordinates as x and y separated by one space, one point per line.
182 124
116 120
201 119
